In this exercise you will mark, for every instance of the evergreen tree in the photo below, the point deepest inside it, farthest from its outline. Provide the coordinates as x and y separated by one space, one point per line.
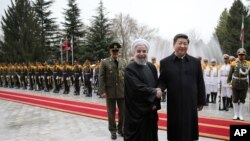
232 42
48 26
221 29
21 33
99 36
73 26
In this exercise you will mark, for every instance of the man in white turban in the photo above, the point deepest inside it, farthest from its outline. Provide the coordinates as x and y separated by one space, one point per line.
142 98
141 60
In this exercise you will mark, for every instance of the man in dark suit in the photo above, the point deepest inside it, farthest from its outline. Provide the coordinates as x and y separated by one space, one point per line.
181 75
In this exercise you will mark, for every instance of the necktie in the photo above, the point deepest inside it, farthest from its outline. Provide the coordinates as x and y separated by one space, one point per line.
116 62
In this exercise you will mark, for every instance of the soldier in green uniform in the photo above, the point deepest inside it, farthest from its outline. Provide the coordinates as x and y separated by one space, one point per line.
1 75
111 86
238 76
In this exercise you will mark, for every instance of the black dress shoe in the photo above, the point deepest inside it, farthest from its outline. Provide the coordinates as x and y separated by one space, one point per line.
120 133
113 136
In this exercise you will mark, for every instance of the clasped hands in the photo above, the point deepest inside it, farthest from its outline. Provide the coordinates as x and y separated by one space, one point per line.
158 95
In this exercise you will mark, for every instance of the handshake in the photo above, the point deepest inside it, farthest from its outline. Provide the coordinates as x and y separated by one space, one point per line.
158 93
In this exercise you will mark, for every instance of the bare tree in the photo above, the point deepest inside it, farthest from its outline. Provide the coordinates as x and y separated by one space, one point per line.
126 29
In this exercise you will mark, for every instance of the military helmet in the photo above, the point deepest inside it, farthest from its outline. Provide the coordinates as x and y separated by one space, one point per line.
241 51
225 56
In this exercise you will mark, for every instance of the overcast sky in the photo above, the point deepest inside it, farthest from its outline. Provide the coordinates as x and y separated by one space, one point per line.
169 16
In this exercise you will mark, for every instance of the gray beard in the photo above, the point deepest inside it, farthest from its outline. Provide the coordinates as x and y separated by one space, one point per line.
141 61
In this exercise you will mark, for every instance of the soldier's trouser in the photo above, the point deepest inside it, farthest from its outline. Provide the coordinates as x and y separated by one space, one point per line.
31 83
65 83
88 85
17 84
77 84
1 82
5 82
23 83
56 87
213 96
239 95
37 84
111 109
46 80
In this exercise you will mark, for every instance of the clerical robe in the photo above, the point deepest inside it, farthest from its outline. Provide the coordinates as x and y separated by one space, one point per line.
141 104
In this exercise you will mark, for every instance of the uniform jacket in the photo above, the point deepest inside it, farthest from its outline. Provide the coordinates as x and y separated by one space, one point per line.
237 76
111 77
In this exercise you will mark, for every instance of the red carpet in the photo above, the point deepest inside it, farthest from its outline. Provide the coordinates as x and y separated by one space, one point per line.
208 127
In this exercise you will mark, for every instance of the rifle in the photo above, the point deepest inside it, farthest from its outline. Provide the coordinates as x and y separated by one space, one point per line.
19 79
220 101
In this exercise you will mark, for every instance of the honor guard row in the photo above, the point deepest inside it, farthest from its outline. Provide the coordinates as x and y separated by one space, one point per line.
46 76
230 79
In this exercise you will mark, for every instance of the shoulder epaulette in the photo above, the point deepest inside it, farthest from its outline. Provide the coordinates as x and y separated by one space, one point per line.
233 64
248 63
219 67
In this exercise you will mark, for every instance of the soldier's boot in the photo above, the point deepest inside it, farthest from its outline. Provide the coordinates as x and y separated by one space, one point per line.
46 88
223 103
31 87
236 111
207 100
224 100
240 111
66 91
24 86
120 132
113 136
90 93
77 92
56 90
230 102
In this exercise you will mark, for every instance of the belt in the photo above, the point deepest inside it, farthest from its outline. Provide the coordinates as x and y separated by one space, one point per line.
225 75
238 78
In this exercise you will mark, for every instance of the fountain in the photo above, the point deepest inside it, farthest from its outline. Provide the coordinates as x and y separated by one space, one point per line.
161 48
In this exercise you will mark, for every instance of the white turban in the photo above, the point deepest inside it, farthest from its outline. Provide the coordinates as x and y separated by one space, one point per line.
138 42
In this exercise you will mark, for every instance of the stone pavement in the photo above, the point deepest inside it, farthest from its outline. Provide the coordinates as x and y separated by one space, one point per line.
20 122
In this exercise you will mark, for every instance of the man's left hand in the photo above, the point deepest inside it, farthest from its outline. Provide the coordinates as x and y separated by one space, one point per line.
199 108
